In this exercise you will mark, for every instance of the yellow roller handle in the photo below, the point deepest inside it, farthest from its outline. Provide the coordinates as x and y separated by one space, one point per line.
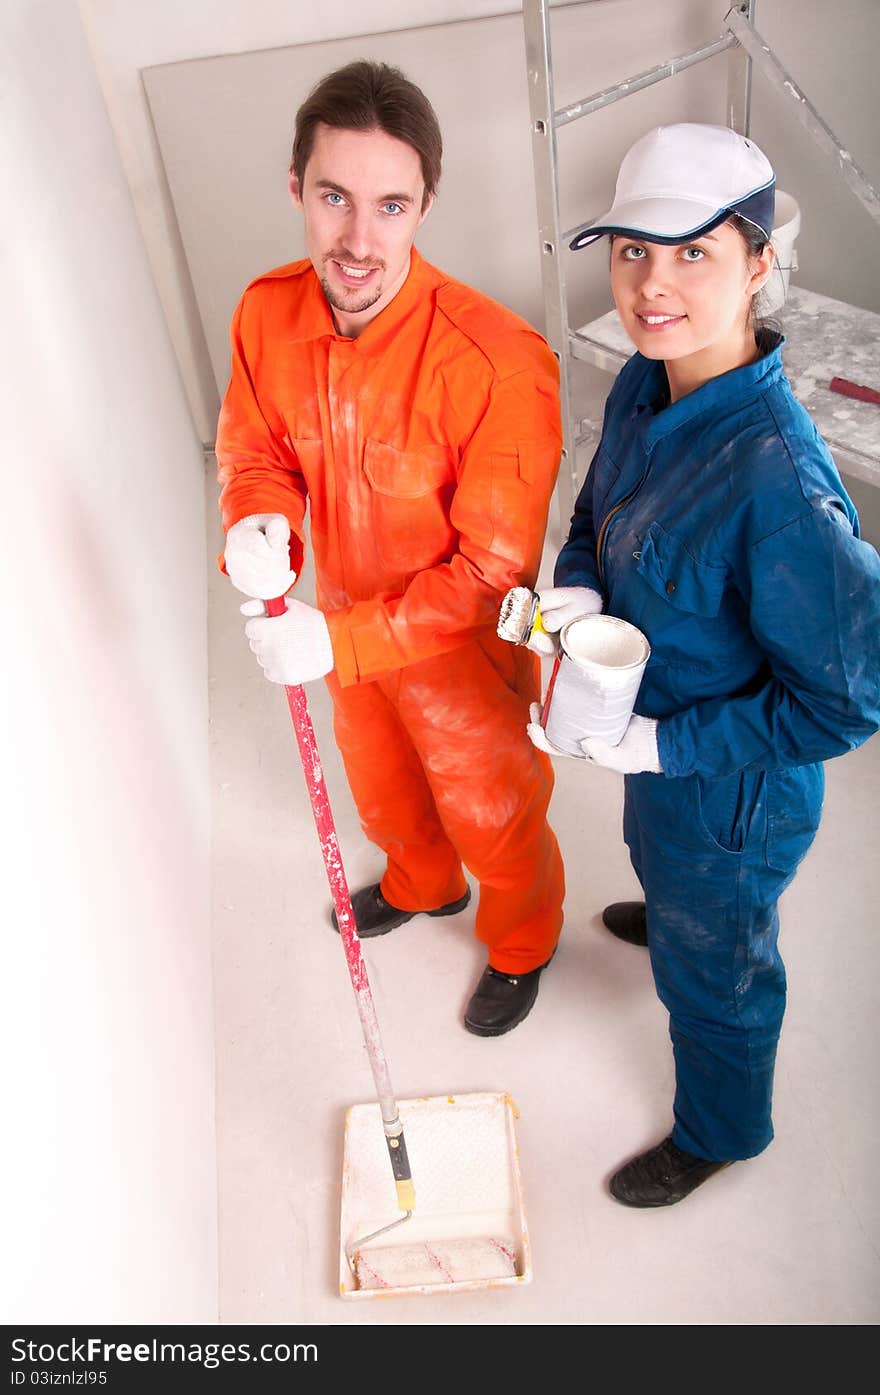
537 624
406 1195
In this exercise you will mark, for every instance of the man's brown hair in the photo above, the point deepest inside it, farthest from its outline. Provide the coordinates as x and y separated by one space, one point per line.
365 96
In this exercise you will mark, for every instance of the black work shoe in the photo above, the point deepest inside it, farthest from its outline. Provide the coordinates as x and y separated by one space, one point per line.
501 1001
628 921
662 1176
373 915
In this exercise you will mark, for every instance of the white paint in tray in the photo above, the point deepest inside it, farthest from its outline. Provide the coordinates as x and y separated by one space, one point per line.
468 1184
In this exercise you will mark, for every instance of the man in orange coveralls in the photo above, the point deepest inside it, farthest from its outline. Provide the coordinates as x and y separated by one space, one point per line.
421 421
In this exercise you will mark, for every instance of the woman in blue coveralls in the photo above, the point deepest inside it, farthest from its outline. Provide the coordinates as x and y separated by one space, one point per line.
714 519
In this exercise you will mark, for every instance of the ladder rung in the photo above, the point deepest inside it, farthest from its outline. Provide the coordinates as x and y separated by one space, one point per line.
641 80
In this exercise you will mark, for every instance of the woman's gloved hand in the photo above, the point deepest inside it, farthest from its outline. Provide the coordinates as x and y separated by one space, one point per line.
538 736
636 751
541 643
558 605
292 648
257 556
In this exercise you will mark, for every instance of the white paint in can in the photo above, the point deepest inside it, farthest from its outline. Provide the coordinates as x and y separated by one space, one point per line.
595 682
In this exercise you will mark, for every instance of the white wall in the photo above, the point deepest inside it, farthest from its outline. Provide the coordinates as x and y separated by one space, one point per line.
108 1160
831 50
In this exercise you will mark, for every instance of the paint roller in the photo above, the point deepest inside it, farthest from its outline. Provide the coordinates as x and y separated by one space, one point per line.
473 1260
420 1264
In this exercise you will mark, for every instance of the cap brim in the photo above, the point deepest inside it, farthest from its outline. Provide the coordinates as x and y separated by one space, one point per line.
677 220
653 220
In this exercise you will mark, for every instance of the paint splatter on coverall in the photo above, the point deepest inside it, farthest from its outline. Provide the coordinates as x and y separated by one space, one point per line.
720 527
427 449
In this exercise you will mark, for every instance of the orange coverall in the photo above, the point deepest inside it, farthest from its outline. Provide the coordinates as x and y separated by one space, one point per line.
427 449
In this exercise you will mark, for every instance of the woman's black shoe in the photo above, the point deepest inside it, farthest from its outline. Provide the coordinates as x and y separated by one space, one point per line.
662 1176
628 921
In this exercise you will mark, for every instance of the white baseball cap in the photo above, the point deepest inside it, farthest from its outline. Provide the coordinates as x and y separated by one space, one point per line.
678 182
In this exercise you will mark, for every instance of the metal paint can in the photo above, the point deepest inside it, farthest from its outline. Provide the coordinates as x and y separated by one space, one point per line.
595 681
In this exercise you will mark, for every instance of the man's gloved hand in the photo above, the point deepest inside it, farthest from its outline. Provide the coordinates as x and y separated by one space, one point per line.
558 605
538 736
292 648
636 751
257 556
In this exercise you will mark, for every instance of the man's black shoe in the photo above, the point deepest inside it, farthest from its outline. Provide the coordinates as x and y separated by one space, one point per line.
501 1001
374 915
628 921
662 1176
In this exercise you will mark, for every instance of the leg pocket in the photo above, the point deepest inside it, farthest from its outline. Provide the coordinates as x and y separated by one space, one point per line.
794 808
732 809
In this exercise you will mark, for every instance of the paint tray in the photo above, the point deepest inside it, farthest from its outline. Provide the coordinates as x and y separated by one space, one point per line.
468 1184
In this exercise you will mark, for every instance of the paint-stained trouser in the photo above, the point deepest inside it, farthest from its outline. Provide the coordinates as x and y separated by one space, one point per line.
713 857
443 774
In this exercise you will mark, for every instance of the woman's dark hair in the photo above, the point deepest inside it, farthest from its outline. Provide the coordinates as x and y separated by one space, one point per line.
753 236
365 96
755 241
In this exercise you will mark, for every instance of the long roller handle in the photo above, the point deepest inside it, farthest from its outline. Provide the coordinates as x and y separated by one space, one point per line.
357 969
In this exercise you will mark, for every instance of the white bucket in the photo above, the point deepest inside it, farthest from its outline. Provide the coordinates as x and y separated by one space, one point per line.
786 226
594 684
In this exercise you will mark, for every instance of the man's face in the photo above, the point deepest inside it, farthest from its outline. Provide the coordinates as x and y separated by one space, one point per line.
361 199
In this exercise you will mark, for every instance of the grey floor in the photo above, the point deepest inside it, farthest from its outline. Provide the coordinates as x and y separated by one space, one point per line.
787 1238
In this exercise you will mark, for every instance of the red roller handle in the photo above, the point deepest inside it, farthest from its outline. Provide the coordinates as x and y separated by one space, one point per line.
314 775
856 390
311 763
550 686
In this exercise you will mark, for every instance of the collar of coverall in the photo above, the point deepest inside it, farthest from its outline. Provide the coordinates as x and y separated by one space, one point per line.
313 320
726 389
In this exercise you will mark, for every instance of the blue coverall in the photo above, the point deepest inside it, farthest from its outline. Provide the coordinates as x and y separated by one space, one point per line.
720 527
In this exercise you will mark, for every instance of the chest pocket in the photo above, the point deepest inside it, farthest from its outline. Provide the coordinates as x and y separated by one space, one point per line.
670 571
411 496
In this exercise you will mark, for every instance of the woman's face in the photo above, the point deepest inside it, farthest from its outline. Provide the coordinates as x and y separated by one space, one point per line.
689 304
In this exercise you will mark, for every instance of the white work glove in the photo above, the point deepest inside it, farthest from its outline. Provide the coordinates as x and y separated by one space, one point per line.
541 643
636 751
558 605
292 648
257 556
538 736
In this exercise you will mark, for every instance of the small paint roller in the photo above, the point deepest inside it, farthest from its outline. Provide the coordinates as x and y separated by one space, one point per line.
474 1259
520 615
